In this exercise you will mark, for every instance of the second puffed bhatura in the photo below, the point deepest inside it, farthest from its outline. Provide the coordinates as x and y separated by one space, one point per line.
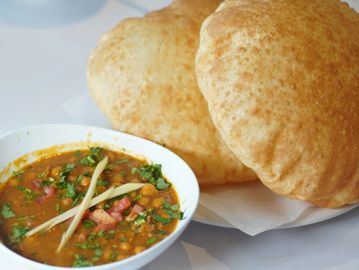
142 76
281 78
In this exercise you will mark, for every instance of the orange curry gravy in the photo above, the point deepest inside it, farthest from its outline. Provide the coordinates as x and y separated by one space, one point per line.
50 186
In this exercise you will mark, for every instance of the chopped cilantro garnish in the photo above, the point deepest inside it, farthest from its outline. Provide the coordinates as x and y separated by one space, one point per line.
98 252
81 261
70 191
153 174
29 194
78 153
173 212
141 219
113 256
88 223
162 184
66 169
163 232
137 197
44 173
18 173
18 233
47 182
6 211
88 161
123 239
163 220
110 234
151 240
87 245
93 158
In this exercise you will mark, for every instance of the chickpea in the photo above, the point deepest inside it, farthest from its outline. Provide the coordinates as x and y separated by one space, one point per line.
101 189
66 203
55 172
144 201
72 178
85 182
148 190
158 202
124 246
139 249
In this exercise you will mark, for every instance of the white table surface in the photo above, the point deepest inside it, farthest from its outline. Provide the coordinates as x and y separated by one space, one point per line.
44 46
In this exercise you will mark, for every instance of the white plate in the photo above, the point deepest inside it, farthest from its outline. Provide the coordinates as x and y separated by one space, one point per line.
311 215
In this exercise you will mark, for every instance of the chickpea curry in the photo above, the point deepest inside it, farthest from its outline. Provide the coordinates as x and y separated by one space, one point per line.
110 230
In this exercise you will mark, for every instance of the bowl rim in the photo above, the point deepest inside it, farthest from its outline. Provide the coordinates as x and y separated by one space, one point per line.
169 240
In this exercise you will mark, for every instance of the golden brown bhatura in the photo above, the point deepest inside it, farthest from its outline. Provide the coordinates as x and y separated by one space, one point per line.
281 78
142 77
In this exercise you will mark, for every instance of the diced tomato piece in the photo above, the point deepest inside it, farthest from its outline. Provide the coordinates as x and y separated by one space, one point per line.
116 215
36 184
121 205
82 237
137 209
49 193
101 216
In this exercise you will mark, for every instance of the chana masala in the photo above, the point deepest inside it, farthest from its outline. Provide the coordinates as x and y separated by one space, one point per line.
111 230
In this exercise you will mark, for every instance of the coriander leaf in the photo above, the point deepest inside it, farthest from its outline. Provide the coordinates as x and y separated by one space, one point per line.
113 256
153 174
29 194
162 184
81 261
18 173
44 173
151 240
88 223
67 168
70 191
18 233
158 218
96 152
6 211
98 252
141 219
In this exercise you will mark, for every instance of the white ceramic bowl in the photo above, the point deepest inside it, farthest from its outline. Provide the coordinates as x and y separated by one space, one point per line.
31 139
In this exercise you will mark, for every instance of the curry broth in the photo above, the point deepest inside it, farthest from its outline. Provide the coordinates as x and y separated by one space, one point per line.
25 203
